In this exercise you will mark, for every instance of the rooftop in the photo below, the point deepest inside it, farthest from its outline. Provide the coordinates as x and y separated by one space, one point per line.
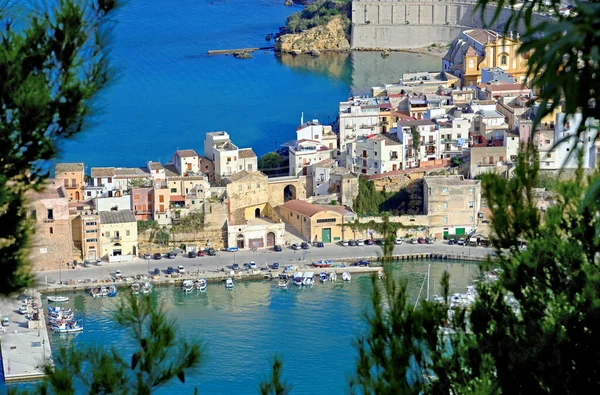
186 153
389 139
52 190
102 172
482 36
240 175
417 122
69 167
155 166
246 153
449 181
131 171
308 209
116 217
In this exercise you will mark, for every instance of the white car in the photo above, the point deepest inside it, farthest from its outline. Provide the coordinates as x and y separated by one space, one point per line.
360 242
296 246
180 269
398 240
252 265
461 242
23 309
345 243
118 274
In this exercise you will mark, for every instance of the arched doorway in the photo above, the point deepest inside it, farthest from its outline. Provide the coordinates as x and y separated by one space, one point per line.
257 213
289 193
240 241
77 197
270 239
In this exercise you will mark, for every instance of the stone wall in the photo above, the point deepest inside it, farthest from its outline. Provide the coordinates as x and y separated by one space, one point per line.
401 24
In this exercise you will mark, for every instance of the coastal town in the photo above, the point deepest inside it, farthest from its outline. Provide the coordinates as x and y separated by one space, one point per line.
430 133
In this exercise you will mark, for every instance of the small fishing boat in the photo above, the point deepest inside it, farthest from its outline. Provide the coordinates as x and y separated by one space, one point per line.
298 277
135 288
54 299
321 264
229 283
99 292
346 276
284 280
323 277
332 277
187 286
67 327
56 309
112 291
309 279
146 288
202 284
381 274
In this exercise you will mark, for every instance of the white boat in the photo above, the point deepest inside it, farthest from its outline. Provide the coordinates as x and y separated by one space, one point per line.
323 277
298 278
284 280
147 287
55 299
202 284
381 274
309 279
135 288
99 292
229 283
346 276
69 327
332 277
187 286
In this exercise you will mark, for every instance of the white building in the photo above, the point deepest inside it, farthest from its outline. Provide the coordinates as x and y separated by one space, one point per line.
305 153
228 159
568 152
428 146
186 162
113 203
113 181
358 117
454 135
313 130
376 154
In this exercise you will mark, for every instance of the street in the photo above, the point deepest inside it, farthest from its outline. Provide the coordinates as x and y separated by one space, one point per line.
262 257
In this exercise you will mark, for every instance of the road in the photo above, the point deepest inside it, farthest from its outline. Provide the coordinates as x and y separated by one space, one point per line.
261 257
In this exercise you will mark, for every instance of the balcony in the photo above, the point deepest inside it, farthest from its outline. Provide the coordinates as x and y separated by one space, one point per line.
73 186
49 220
367 126
349 127
428 142
115 238
143 212
393 157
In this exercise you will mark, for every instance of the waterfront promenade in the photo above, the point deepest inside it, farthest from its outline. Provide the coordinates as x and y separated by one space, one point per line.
224 260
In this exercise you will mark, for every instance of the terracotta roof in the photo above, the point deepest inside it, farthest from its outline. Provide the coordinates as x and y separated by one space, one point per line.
325 163
506 87
482 36
68 167
240 175
102 172
155 165
177 198
390 139
471 51
52 190
116 217
246 153
186 153
308 209
171 171
130 171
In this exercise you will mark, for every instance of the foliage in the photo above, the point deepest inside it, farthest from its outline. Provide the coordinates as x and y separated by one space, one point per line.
334 202
456 161
319 13
150 224
416 138
161 355
192 222
369 201
547 181
160 237
275 385
139 182
52 68
270 160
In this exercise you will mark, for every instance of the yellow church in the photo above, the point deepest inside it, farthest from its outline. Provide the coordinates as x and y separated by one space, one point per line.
476 49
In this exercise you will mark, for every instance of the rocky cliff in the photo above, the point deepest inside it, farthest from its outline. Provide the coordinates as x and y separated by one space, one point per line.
329 37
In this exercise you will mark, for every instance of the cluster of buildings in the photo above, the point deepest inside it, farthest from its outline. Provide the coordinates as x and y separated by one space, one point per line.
478 109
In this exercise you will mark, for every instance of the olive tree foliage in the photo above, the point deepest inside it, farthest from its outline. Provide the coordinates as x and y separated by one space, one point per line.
50 71
160 355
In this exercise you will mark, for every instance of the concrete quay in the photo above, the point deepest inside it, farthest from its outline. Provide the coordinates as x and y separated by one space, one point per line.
24 342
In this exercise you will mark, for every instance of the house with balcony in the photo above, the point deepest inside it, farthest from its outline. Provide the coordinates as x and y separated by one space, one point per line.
151 203
118 235
72 177
115 181
305 153
454 135
425 149
86 234
157 173
186 162
495 152
227 158
377 154
359 116
419 82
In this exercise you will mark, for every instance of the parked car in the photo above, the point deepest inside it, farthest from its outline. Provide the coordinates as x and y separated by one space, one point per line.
200 253
157 256
233 249
118 274
360 243
352 243
305 246
413 241
246 266
452 242
277 248
398 240
344 243
180 269
252 265
275 266
380 242
99 262
170 270
147 256
211 252
23 309
87 264
5 321
296 246
430 240
191 254
319 244
363 263
235 266
461 242
369 242
156 272
421 240
170 255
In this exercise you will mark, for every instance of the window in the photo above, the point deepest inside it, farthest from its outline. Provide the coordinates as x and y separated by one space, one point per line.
375 153
127 233
445 220
173 190
470 204
249 166
90 224
91 240
109 180
51 230
375 164
136 197
504 60
457 136
304 219
88 193
444 190
471 190
547 141
471 219
445 205
193 202
297 216
50 214
240 188
249 186
73 182
325 220
33 215
66 182
258 185
316 136
107 234
91 231
548 155
547 163
161 198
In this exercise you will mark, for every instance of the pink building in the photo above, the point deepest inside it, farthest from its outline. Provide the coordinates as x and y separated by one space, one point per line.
148 203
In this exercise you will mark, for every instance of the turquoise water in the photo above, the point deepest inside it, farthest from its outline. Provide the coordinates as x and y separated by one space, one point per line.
312 328
169 92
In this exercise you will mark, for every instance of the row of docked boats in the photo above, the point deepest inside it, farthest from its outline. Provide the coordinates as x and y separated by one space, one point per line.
307 279
103 291
190 285
63 320
141 288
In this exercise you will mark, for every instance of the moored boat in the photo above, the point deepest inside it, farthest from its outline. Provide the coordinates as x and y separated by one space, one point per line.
135 288
346 276
202 284
147 287
67 327
333 277
99 292
112 292
229 283
308 279
284 280
55 299
323 277
381 274
321 264
187 286
298 277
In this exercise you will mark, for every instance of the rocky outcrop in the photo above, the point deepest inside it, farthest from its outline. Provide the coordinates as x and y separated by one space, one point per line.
329 37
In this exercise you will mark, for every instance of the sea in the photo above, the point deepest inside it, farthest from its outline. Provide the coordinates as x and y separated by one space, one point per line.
312 329
167 92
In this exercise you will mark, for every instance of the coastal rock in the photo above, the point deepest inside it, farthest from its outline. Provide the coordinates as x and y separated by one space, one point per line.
288 3
242 55
329 37
315 52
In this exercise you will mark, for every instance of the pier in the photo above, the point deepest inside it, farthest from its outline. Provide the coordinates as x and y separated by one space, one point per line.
240 50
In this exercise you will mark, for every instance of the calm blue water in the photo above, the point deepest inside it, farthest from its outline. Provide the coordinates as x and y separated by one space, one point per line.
312 328
169 92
